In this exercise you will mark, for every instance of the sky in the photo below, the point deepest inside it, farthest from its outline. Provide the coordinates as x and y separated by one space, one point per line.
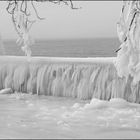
95 19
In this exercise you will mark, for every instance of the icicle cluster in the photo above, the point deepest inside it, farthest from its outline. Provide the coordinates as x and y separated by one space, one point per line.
82 78
128 28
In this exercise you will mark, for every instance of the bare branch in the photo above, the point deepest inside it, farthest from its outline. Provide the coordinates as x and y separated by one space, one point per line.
36 11
20 14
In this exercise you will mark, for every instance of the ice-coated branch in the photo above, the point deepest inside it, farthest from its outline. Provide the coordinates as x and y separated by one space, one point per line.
128 28
21 13
36 11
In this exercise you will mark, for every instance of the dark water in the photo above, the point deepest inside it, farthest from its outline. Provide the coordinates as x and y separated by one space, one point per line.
67 48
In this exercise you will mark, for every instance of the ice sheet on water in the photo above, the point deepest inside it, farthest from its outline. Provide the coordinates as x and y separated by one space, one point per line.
116 114
64 117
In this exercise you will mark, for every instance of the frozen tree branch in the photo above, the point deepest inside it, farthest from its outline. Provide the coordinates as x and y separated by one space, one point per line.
128 28
20 14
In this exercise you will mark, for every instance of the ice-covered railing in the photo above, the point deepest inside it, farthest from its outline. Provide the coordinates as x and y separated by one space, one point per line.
82 78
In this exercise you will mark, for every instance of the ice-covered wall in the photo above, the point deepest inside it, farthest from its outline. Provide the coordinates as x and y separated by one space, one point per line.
81 78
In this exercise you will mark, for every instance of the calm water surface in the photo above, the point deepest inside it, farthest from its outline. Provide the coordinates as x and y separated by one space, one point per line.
67 48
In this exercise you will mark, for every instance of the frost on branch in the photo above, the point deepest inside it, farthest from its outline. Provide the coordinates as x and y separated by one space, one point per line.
24 39
21 18
128 28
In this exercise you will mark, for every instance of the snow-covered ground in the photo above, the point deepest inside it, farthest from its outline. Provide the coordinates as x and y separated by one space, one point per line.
32 116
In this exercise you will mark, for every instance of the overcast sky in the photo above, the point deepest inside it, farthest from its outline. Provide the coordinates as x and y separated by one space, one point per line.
95 19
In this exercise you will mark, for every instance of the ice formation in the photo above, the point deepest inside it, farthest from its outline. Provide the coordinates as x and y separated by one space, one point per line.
6 91
22 21
22 17
128 58
83 78
25 40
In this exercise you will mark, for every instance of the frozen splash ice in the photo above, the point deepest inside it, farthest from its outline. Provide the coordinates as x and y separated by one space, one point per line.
79 78
128 57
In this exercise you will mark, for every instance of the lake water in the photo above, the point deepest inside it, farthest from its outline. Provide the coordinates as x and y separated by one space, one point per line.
67 48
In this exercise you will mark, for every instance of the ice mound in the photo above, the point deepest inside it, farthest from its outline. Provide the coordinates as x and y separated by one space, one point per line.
96 103
100 104
118 102
76 105
6 91
115 113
